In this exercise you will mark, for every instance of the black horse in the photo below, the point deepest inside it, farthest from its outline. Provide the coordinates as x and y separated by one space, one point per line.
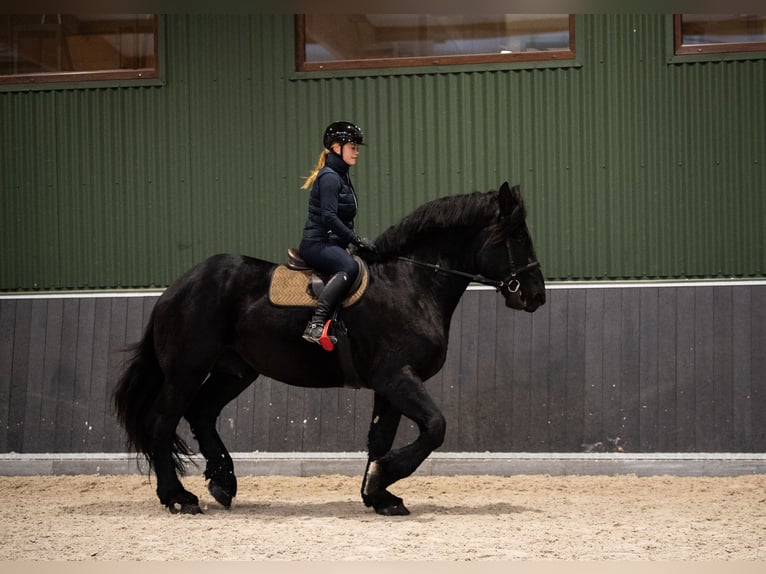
213 331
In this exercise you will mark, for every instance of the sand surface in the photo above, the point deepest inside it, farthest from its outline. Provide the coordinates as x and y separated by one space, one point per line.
453 518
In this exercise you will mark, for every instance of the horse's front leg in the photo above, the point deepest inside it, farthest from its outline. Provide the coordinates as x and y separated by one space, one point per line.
405 392
385 422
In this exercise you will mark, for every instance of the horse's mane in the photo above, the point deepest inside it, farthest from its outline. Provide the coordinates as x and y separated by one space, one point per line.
457 211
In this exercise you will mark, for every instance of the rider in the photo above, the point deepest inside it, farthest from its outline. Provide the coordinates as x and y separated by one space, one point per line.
329 228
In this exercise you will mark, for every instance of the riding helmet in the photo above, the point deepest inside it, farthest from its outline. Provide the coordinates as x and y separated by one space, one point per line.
343 133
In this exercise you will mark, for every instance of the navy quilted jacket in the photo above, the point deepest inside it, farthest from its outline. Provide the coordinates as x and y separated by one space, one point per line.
332 205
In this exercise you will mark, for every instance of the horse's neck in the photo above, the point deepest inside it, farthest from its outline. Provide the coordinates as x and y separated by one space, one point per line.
451 252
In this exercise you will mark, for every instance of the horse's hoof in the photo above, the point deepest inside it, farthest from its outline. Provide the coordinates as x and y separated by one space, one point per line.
393 510
221 495
386 504
184 508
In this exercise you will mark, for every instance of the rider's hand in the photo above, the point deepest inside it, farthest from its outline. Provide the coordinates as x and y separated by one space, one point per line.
365 244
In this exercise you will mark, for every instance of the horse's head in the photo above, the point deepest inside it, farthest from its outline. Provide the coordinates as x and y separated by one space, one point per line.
508 254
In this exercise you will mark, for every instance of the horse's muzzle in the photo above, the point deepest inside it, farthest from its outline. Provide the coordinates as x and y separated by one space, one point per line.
532 303
523 301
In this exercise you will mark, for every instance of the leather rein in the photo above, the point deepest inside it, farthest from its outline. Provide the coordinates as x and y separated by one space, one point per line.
511 283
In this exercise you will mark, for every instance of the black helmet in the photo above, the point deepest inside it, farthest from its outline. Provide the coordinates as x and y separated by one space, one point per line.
343 133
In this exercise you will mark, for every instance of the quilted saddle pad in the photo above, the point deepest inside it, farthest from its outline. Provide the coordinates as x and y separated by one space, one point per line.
290 288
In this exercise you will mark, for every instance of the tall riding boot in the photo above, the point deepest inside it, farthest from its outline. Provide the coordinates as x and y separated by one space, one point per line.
332 294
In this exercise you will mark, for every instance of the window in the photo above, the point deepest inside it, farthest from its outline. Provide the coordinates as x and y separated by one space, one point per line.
719 33
76 47
360 41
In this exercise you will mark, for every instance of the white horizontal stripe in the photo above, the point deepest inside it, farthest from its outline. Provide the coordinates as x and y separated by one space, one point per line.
553 285
436 456
81 294
564 285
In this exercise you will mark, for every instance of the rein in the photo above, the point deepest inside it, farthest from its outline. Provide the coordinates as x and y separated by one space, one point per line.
511 282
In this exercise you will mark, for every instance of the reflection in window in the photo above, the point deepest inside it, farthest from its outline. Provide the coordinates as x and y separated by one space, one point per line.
711 33
73 47
332 41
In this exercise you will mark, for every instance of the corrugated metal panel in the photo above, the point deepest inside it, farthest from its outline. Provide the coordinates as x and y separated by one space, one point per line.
632 167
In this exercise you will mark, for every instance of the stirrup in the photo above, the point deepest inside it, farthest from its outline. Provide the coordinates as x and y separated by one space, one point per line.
325 340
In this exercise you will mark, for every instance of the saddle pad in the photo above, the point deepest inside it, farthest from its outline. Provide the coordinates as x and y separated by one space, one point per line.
290 288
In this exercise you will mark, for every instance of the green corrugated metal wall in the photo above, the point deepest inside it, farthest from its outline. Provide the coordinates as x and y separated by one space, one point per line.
633 167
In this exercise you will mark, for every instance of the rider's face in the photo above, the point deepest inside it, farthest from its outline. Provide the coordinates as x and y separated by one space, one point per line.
349 152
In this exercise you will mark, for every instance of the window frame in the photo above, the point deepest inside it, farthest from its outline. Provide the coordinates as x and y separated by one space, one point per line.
420 64
706 52
95 79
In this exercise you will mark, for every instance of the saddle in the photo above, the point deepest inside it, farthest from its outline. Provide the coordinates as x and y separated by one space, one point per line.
296 284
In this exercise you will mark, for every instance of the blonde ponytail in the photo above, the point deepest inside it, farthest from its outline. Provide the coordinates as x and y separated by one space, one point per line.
320 164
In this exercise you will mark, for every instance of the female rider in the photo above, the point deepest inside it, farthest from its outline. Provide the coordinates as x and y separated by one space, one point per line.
329 228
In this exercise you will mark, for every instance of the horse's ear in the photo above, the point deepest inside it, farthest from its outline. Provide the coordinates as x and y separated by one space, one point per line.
509 197
505 198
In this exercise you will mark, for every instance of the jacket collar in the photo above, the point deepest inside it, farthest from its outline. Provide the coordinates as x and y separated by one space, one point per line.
336 162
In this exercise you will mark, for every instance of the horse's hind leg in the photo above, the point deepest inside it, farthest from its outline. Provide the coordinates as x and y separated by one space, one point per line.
166 446
216 393
406 393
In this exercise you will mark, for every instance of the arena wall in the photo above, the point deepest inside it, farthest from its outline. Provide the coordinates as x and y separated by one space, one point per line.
665 367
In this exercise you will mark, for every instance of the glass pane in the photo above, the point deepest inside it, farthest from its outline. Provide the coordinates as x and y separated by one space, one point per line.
723 28
60 43
380 36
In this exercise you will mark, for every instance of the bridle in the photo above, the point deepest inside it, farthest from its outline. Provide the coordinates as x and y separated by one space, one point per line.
511 283
512 280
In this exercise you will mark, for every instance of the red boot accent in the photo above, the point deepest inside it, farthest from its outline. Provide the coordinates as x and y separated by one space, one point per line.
325 339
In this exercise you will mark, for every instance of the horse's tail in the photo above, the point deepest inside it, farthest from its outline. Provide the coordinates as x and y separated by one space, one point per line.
135 396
